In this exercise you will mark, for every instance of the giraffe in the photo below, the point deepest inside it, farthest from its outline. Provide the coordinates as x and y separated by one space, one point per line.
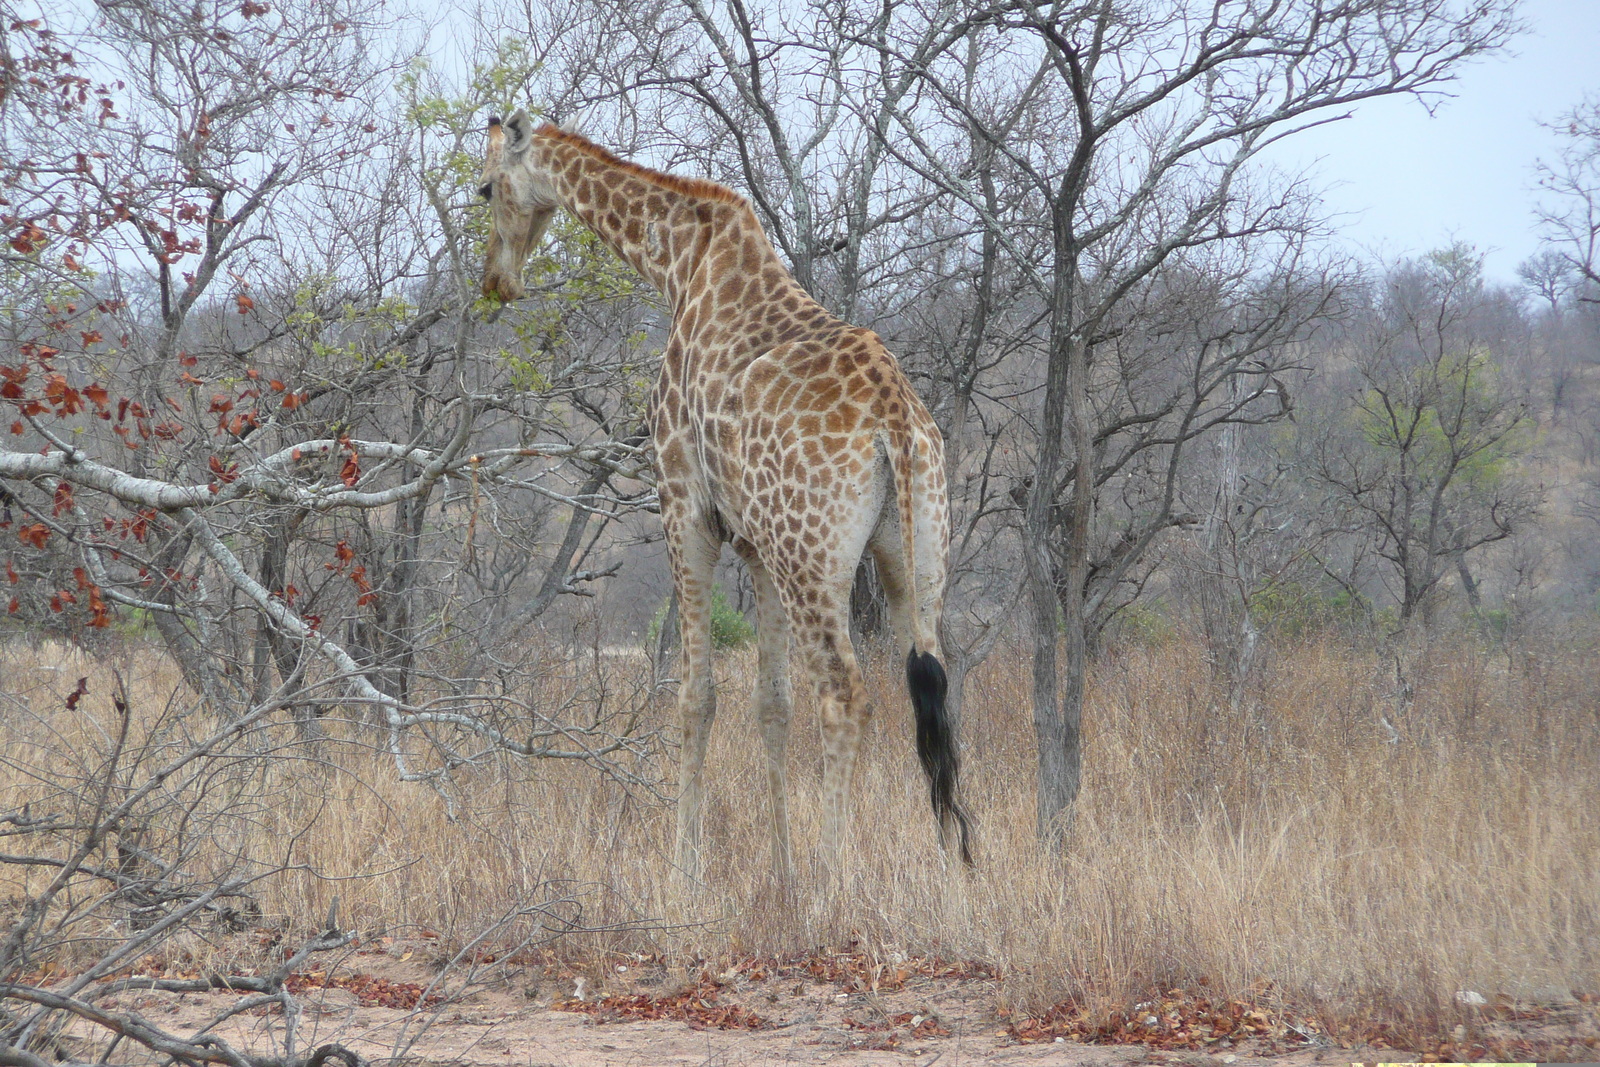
777 428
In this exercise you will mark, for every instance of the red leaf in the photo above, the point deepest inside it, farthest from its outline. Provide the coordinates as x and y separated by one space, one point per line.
17 427
62 396
351 473
97 395
35 535
359 577
277 386
13 607
186 360
245 304
63 498
188 379
78 693
29 238
11 573
224 474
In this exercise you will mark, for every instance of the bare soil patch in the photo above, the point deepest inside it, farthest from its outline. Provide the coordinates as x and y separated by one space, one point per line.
387 1000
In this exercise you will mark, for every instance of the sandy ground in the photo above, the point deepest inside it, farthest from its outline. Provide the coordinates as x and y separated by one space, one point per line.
527 1016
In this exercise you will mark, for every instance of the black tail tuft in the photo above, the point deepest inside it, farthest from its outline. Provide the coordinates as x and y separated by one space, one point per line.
936 743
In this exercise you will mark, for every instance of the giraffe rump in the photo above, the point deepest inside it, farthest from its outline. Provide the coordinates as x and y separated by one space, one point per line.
936 743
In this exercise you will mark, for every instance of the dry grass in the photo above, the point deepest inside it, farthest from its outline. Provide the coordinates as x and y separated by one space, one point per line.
1286 842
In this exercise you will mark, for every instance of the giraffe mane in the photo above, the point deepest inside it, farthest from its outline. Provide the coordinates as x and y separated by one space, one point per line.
698 187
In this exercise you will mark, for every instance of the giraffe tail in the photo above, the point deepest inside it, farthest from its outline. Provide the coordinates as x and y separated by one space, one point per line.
936 743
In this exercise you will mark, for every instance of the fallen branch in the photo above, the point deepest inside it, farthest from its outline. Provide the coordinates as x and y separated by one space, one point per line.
329 939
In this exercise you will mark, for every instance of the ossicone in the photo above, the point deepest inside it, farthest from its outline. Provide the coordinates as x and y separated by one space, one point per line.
519 131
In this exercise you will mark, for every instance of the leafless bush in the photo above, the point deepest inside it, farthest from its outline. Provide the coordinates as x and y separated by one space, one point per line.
141 838
132 835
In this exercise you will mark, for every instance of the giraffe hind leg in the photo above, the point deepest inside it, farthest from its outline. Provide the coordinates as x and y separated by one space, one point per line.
844 711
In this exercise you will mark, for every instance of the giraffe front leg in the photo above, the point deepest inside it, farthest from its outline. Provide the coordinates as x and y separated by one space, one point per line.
694 558
772 706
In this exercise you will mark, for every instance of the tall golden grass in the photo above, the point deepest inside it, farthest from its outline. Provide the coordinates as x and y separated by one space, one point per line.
1292 843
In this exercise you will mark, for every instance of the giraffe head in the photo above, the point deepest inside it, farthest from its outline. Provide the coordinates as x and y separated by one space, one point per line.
521 202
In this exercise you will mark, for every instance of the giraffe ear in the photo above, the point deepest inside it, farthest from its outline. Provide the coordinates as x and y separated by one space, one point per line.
519 131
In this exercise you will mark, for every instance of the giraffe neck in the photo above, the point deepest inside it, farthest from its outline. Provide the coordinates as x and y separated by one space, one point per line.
661 225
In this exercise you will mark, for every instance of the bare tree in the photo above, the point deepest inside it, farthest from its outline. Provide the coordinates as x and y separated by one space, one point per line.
1425 462
1155 170
1570 215
254 402
252 405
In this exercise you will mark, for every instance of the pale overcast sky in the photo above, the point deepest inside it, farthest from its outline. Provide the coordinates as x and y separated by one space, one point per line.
1410 183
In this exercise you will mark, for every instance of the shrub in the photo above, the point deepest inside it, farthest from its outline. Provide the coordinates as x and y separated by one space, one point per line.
1143 624
729 627
1296 609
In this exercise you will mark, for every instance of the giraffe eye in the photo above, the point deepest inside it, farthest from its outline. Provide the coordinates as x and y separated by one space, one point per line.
485 189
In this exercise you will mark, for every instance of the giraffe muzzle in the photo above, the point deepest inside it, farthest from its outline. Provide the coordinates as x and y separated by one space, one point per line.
505 290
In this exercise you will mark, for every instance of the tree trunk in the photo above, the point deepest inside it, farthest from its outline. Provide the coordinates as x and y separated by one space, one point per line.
271 647
1058 715
1469 584
1060 789
558 573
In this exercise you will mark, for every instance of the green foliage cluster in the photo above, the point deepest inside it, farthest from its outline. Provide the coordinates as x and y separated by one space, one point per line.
1143 624
729 628
1450 421
1494 623
1293 609
571 272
